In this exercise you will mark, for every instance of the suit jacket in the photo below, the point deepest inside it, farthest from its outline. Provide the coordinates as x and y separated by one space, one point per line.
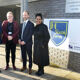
15 32
28 32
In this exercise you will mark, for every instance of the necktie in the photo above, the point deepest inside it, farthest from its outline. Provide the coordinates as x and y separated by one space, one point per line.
24 25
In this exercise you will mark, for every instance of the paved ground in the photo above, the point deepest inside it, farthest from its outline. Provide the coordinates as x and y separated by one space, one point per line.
51 73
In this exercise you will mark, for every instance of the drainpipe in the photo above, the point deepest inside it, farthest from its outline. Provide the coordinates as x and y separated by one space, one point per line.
24 6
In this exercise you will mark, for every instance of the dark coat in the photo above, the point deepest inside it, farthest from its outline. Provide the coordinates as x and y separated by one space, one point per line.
0 33
41 39
28 32
15 32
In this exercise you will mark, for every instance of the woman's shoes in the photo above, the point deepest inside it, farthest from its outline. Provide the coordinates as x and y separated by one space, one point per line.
14 67
7 67
37 72
40 73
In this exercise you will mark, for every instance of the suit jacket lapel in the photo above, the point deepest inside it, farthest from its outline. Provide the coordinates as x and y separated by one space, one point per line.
27 25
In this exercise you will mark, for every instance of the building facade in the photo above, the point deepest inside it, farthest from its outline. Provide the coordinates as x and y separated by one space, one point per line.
49 9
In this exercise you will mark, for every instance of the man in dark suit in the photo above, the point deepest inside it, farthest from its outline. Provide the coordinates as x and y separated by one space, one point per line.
25 40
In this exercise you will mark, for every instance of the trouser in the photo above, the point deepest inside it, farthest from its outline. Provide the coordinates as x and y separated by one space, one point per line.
10 46
28 49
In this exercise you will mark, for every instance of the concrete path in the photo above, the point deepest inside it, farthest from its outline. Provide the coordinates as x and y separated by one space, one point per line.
51 73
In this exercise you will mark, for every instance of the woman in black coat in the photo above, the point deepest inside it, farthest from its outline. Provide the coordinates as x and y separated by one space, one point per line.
41 39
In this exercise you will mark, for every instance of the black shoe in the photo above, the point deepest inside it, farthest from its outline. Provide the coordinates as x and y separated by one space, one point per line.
39 73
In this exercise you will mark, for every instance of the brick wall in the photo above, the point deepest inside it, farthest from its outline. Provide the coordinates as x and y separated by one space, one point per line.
51 9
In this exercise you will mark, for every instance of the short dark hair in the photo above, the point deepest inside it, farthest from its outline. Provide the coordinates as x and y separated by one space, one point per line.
39 14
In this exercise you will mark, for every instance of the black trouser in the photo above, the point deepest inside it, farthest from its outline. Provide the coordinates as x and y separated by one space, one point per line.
10 46
27 49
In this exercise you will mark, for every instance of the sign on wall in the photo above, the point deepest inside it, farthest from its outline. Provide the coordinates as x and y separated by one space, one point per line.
64 34
72 6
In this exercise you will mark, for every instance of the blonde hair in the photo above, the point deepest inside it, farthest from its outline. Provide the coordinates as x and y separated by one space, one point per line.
10 12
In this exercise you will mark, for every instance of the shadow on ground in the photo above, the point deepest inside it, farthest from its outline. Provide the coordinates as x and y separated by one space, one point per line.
17 75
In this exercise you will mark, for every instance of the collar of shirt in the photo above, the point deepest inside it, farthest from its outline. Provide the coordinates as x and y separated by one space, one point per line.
26 21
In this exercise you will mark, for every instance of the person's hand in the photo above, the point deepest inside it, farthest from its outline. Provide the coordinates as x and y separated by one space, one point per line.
10 37
23 43
19 41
